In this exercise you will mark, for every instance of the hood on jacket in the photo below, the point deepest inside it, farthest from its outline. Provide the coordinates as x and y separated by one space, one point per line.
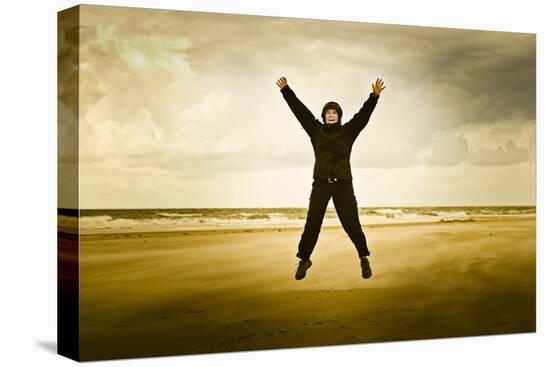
335 106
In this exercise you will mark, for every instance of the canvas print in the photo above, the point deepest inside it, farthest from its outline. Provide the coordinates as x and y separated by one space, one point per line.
238 182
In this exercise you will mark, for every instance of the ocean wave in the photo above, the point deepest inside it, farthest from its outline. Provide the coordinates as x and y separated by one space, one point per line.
194 219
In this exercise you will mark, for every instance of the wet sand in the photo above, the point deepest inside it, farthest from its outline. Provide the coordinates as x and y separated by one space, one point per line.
153 294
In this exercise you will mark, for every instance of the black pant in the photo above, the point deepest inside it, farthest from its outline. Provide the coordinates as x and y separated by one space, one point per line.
345 204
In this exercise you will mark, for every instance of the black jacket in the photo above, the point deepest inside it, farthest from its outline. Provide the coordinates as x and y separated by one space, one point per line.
331 142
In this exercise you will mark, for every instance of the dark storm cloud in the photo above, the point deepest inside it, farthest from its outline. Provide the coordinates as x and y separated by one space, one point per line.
493 73
466 76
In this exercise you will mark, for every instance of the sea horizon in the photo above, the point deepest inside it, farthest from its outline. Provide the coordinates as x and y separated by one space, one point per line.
188 219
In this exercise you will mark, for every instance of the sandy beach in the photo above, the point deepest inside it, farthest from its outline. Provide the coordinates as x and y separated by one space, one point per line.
166 293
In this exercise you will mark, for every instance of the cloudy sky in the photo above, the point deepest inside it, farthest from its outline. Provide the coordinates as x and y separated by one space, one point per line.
181 109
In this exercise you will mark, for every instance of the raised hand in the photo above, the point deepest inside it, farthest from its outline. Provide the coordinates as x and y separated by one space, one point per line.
377 88
282 82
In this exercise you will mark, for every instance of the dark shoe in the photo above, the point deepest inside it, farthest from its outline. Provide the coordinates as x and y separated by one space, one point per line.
302 269
365 268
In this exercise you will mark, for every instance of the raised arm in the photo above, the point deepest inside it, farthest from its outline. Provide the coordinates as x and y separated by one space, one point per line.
302 113
361 118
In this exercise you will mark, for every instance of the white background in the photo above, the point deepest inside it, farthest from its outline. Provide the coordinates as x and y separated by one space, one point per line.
29 181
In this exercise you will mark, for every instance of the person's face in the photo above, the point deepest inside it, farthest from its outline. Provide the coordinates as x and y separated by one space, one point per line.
331 116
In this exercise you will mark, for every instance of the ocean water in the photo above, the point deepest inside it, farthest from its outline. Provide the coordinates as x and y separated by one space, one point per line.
137 220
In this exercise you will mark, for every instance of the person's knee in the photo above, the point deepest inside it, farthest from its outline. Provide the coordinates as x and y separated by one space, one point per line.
354 230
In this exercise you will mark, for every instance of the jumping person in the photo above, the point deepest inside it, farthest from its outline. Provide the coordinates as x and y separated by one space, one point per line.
332 142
